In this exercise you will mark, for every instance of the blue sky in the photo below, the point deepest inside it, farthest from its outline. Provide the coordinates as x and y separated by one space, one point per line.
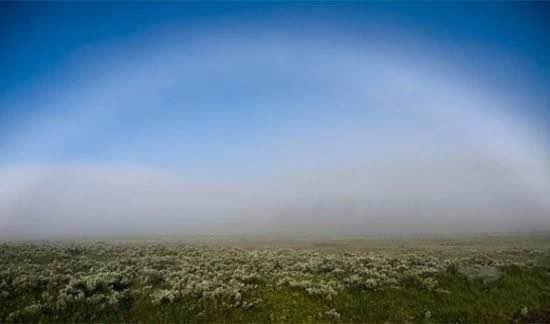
268 96
44 46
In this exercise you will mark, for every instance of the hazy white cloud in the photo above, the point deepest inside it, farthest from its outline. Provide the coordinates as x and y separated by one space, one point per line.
348 139
449 194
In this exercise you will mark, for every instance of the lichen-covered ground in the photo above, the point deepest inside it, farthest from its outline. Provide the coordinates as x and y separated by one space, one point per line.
459 279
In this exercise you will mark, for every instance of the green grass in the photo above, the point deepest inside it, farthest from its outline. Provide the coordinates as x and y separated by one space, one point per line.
458 300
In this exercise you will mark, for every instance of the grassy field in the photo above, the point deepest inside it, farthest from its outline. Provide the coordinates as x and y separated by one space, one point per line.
460 279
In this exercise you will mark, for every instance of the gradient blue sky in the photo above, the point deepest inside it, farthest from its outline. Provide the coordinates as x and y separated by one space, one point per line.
267 97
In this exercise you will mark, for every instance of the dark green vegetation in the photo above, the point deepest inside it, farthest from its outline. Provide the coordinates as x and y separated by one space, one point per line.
460 280
459 301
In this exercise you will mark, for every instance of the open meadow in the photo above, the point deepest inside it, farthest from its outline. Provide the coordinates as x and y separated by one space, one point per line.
464 279
274 161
